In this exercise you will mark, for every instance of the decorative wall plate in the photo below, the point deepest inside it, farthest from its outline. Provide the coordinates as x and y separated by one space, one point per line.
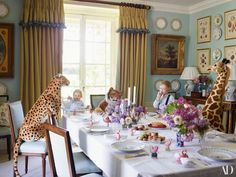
217 33
157 84
176 24
161 23
218 20
217 54
175 85
3 9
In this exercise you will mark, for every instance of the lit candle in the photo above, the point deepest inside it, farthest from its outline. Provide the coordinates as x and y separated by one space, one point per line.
134 95
128 96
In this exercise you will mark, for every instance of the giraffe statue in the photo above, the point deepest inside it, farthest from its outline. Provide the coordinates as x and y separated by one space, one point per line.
212 109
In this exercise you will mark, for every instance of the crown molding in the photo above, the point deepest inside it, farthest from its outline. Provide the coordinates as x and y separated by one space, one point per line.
186 10
206 5
156 6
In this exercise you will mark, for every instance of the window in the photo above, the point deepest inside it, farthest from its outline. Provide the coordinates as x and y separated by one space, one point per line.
90 49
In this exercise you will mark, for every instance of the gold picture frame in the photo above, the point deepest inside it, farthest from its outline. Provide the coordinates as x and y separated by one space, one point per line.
167 54
203 59
204 29
230 53
6 50
229 24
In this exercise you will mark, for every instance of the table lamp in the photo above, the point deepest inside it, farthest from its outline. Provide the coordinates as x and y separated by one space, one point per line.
189 73
230 89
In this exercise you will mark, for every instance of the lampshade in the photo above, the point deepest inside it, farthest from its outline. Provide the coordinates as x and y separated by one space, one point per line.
232 75
189 73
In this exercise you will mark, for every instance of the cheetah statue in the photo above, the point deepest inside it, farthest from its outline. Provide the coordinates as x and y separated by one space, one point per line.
48 104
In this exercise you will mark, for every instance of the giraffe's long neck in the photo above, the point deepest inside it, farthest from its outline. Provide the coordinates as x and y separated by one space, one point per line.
218 90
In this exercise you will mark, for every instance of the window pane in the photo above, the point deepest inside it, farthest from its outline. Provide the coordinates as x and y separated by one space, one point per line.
95 53
108 31
108 75
69 69
108 53
95 75
71 51
95 30
72 30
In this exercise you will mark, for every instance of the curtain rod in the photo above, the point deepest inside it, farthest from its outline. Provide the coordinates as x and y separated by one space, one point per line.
141 6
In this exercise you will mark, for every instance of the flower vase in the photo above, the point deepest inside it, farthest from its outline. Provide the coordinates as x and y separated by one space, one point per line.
179 140
202 140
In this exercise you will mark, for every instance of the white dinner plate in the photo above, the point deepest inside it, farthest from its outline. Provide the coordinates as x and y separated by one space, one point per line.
217 154
229 137
98 128
128 146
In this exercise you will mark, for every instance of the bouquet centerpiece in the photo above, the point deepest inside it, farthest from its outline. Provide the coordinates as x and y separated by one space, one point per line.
187 118
201 80
119 112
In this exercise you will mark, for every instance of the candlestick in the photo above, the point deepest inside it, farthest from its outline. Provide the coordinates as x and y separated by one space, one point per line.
128 96
134 95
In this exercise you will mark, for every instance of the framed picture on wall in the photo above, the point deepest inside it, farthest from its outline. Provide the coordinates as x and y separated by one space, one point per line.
203 59
6 49
230 24
167 54
204 29
230 53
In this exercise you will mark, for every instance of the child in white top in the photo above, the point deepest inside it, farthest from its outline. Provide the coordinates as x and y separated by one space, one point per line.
76 102
163 97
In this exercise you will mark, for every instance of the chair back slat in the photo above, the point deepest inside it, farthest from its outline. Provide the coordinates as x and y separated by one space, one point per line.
96 99
60 151
16 118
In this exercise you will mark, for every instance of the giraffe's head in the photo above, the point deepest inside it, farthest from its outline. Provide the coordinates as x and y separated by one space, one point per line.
220 66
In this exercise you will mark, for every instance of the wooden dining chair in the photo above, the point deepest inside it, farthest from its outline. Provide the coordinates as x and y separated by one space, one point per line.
96 99
63 162
32 148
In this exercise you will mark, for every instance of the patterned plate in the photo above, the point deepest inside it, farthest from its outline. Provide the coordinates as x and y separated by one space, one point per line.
217 54
218 20
217 154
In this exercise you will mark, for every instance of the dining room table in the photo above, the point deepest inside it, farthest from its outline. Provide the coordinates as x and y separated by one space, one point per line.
128 156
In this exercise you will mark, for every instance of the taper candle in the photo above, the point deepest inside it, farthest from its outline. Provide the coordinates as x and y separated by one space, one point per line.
134 95
128 96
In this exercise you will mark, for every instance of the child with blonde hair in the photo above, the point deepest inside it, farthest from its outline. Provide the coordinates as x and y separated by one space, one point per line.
76 102
163 97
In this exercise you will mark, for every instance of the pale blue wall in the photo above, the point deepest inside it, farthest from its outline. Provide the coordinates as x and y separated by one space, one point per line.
13 84
184 31
189 29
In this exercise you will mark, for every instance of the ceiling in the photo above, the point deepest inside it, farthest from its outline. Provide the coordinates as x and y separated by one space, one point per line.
187 3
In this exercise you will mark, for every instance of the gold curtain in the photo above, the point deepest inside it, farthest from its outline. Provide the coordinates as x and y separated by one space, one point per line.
41 47
133 48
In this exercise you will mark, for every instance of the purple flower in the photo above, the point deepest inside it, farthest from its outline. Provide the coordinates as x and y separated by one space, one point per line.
189 116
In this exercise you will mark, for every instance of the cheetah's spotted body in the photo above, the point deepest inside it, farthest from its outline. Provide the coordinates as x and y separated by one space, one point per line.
48 104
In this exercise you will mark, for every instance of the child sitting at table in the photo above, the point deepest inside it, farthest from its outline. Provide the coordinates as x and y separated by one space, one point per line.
76 102
163 97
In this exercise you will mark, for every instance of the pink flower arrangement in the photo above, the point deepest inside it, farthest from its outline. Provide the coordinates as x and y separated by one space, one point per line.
182 114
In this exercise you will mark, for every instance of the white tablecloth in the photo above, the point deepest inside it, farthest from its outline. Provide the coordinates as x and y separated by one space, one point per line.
114 164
